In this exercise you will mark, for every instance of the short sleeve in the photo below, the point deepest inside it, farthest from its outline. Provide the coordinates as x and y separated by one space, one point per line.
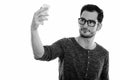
53 51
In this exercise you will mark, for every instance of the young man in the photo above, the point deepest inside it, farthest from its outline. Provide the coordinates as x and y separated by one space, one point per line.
80 57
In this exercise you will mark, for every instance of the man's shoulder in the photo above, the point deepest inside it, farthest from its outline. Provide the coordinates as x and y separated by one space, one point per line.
66 39
103 49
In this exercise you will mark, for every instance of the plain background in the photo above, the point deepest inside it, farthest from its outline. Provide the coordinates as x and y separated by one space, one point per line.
16 56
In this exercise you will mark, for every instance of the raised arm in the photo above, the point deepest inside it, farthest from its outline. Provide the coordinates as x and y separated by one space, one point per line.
38 19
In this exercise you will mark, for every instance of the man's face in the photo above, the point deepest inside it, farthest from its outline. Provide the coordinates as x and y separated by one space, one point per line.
88 24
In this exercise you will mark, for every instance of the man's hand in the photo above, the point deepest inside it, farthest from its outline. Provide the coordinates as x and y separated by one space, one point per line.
39 17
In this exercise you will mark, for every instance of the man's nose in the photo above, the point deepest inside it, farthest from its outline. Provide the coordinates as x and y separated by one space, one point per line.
85 25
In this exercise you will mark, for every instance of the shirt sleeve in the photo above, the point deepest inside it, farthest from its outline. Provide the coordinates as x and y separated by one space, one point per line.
105 71
53 51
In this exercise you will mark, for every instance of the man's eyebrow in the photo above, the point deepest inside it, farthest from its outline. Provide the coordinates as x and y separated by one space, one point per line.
87 19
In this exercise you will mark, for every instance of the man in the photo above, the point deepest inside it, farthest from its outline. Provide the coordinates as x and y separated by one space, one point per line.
80 57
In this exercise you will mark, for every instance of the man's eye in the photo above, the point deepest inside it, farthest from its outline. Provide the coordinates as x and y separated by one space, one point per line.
82 19
91 22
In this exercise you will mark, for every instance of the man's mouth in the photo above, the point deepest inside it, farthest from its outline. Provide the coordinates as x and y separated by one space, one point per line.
85 30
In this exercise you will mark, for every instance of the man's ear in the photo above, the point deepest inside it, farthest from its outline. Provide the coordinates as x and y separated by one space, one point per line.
99 26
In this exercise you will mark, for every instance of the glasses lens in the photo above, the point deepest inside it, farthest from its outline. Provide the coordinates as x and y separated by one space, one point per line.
91 23
82 21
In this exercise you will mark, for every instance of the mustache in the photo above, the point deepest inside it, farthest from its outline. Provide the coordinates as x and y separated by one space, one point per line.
85 29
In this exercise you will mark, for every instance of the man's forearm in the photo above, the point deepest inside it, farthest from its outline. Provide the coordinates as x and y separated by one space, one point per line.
37 46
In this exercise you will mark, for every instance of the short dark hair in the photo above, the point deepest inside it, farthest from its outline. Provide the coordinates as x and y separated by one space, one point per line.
91 8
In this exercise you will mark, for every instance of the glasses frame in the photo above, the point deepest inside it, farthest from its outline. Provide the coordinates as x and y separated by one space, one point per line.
88 22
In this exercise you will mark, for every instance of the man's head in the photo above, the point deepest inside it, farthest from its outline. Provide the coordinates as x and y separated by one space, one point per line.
90 20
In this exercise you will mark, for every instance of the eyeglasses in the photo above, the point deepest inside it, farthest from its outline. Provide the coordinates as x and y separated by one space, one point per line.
90 23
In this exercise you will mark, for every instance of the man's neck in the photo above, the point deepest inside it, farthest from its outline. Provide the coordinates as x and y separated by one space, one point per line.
87 43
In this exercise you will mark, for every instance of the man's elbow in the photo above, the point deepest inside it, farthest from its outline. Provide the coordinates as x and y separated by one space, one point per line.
37 57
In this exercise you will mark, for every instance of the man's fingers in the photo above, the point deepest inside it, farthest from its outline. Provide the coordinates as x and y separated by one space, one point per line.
45 7
41 14
42 19
41 10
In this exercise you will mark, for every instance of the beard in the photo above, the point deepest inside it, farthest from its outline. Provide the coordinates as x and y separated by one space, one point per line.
85 33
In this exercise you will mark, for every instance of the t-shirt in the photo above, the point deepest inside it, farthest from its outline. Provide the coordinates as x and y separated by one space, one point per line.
77 63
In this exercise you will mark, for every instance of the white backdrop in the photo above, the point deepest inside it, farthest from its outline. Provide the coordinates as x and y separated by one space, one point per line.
16 57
